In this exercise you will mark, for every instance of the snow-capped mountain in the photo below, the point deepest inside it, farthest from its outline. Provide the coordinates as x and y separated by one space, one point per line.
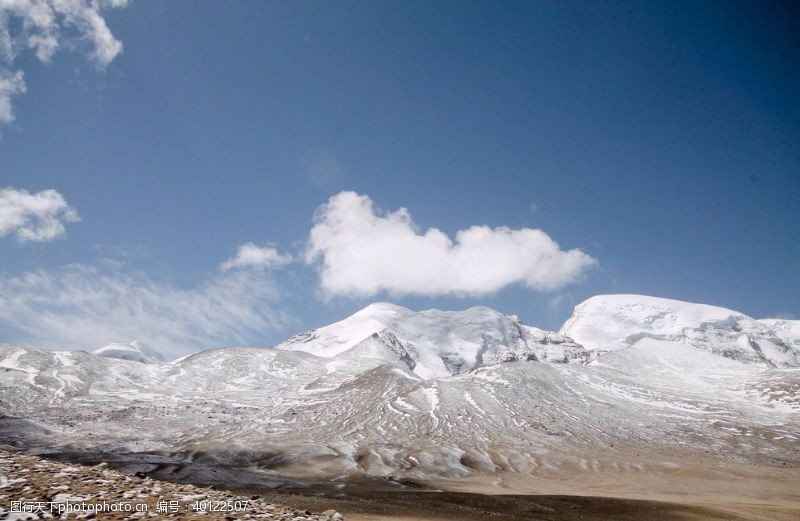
437 343
786 330
429 395
613 322
135 351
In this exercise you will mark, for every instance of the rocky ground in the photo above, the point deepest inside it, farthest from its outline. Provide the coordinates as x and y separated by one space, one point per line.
37 488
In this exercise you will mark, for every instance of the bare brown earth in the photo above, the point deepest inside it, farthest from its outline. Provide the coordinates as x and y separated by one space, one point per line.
664 487
692 489
416 506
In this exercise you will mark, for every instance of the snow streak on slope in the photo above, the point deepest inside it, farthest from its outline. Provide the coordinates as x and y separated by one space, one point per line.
612 322
281 411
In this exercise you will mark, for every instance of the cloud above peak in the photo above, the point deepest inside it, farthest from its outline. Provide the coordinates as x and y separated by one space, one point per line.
250 255
360 252
35 217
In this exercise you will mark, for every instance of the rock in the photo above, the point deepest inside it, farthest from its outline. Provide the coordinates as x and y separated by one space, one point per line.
95 484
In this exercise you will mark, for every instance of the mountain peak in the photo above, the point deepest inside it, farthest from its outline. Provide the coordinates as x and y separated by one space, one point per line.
383 305
614 322
439 343
135 351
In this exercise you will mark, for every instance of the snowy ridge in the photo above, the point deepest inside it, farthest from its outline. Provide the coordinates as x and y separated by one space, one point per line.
613 322
440 343
786 330
135 352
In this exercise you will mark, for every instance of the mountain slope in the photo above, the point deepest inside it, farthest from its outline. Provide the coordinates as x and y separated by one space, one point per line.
349 401
363 412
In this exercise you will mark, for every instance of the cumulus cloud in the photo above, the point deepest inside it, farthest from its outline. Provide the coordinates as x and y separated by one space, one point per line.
87 306
250 255
360 252
34 217
45 27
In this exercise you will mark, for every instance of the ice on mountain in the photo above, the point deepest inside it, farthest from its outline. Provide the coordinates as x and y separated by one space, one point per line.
613 322
437 343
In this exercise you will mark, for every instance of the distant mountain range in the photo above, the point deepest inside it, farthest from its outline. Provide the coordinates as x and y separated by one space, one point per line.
398 394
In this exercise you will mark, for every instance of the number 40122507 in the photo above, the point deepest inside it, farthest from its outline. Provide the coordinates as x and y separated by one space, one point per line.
210 505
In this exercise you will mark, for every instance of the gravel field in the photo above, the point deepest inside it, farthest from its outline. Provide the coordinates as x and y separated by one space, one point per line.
38 488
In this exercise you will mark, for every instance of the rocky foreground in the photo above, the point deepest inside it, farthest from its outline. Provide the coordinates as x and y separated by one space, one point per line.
38 488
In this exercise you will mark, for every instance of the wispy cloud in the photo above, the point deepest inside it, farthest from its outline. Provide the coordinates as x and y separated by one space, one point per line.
360 252
45 27
250 255
12 83
34 217
87 306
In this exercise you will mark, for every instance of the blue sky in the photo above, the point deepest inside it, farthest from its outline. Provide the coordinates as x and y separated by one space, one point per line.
662 140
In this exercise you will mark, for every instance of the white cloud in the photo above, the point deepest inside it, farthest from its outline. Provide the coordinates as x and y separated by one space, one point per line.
34 217
251 256
44 27
361 252
11 84
88 306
